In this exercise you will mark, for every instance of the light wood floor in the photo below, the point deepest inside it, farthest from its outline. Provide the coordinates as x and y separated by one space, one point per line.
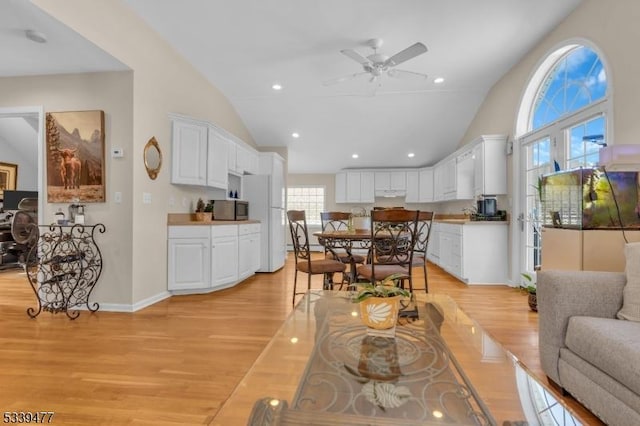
177 361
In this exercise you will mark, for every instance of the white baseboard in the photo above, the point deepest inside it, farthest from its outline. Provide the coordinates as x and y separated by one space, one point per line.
150 301
122 307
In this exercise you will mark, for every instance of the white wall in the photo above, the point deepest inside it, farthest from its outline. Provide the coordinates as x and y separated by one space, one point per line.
112 93
613 27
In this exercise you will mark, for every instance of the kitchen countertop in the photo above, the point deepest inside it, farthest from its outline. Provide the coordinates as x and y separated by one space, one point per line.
471 222
457 219
189 219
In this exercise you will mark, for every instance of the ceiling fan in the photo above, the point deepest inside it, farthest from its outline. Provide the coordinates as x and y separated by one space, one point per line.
376 64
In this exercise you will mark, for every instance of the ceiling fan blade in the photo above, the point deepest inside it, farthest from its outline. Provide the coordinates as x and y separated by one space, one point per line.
342 79
408 53
403 74
350 53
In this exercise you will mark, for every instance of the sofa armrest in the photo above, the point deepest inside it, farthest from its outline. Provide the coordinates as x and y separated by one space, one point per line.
563 294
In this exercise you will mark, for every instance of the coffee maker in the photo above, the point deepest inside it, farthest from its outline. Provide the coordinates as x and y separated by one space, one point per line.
487 206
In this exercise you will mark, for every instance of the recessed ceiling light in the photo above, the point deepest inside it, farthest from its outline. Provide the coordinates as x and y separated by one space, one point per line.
276 86
295 135
36 36
411 155
438 80
354 155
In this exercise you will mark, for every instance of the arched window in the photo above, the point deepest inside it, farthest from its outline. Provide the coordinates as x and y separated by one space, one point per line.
563 123
576 80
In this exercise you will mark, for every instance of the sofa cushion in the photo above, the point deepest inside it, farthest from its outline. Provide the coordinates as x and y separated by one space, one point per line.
609 344
631 295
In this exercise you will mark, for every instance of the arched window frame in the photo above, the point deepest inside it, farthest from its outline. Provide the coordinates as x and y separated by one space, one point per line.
529 143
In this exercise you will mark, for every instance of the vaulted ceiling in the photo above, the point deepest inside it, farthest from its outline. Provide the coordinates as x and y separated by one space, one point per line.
245 46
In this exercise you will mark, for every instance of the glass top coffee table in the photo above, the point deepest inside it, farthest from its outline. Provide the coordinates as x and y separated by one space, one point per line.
323 368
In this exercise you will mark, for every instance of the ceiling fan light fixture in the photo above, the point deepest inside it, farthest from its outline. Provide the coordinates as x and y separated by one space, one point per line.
295 135
276 86
354 155
411 155
438 80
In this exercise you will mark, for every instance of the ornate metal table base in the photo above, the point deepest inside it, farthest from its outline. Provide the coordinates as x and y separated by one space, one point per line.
63 268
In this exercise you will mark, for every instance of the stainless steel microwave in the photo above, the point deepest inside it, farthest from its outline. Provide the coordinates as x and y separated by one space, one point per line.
230 210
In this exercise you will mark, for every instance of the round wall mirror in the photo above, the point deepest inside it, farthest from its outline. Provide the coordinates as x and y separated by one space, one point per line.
152 158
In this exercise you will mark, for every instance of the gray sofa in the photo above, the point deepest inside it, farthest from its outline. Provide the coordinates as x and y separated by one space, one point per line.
583 347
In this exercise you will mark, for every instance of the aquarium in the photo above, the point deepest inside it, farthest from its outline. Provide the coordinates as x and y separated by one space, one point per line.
590 198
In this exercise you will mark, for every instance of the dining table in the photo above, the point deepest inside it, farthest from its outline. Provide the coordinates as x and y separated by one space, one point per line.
347 240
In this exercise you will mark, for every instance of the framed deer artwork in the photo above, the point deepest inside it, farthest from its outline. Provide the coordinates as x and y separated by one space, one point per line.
75 157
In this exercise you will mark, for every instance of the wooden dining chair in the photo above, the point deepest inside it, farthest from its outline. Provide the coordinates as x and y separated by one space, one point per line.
393 235
423 234
339 221
302 255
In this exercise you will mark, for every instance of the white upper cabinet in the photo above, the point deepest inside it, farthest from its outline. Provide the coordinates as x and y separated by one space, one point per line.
246 160
242 159
413 187
217 176
490 157
231 156
479 167
426 185
189 152
465 176
448 179
355 187
419 186
203 154
394 180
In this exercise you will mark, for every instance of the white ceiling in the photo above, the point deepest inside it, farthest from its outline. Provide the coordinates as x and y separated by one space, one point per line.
64 52
244 46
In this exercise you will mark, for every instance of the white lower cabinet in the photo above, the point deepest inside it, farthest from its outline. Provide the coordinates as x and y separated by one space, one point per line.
248 250
189 265
206 258
474 252
433 251
224 255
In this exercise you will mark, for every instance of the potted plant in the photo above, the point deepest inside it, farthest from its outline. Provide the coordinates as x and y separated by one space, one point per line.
530 287
380 304
209 209
200 214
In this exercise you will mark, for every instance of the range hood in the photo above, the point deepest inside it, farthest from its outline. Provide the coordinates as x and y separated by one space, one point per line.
391 193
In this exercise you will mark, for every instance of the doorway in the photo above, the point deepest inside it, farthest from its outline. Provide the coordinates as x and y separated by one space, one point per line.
21 152
21 143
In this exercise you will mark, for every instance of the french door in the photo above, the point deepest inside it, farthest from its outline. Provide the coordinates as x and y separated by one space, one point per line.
536 160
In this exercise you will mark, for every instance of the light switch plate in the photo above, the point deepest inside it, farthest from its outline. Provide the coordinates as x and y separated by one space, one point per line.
117 153
146 198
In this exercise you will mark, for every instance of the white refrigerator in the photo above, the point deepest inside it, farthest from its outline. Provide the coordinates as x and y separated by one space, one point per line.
265 196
